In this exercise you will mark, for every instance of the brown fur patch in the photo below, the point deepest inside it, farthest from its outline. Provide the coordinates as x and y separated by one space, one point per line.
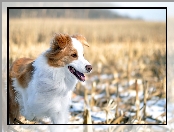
13 105
22 71
81 38
60 41
61 52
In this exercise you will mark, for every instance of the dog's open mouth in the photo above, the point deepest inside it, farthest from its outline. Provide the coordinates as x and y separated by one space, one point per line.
78 74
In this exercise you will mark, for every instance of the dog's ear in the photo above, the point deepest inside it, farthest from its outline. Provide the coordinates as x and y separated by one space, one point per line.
81 38
60 41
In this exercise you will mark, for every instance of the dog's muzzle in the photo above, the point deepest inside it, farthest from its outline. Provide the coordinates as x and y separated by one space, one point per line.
78 74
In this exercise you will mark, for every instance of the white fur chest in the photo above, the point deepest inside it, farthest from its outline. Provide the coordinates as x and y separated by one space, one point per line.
50 89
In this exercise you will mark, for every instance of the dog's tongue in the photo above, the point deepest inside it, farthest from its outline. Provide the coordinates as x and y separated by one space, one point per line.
80 75
82 78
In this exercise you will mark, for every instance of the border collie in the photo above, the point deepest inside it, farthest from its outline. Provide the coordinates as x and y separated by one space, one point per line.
42 87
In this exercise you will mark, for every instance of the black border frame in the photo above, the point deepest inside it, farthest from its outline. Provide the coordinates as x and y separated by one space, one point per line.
8 8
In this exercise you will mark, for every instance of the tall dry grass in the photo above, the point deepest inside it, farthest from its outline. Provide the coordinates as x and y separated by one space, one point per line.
113 43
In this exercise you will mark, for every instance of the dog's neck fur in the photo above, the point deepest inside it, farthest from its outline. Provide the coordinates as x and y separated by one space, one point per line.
56 77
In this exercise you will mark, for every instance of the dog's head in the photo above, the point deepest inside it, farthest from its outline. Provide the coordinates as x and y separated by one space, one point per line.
67 51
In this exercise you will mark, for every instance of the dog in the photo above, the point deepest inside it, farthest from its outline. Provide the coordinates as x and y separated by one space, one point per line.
42 87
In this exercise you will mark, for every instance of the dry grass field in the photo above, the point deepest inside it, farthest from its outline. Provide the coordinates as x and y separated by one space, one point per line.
128 59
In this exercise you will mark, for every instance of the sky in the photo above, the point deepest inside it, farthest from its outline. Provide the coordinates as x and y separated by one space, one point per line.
148 14
145 14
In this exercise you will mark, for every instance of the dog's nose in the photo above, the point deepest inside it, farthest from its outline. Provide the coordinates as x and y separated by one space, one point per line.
88 68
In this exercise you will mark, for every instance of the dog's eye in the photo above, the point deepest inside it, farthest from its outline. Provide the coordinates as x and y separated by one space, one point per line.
74 55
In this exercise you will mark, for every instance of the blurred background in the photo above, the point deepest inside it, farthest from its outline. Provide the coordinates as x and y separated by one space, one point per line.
127 51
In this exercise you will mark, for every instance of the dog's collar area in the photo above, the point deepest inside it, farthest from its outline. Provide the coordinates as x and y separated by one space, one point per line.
78 74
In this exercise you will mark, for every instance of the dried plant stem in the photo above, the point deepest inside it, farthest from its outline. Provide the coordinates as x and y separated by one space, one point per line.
111 105
164 85
118 120
87 117
137 101
92 102
86 97
107 120
145 98
87 120
117 101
